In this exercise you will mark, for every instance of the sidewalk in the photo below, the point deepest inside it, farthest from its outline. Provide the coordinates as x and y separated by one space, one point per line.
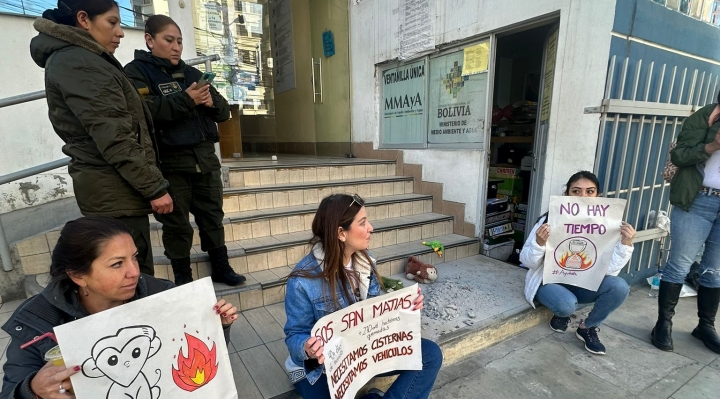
540 363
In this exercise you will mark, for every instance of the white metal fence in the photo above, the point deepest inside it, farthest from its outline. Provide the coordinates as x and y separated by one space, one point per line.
640 116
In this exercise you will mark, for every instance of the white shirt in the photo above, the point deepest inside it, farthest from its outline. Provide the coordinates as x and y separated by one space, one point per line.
712 171
532 256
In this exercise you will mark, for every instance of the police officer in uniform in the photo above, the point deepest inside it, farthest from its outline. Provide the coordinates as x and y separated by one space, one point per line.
185 116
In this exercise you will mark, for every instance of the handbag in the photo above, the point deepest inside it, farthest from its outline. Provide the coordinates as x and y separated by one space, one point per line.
669 169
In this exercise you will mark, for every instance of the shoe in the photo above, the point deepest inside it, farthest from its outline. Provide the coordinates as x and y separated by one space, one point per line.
592 342
707 302
182 271
222 272
559 324
661 335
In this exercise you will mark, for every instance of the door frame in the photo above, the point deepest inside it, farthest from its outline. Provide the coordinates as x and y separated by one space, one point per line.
538 170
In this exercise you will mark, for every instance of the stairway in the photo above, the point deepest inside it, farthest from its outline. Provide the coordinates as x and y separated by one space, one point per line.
269 207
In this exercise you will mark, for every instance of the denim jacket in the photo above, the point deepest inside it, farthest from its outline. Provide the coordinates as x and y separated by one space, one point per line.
305 304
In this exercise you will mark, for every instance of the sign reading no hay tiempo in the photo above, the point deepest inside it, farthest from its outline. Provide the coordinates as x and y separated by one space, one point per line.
583 234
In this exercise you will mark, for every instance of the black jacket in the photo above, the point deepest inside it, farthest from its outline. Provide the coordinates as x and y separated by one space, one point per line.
185 132
36 316
99 115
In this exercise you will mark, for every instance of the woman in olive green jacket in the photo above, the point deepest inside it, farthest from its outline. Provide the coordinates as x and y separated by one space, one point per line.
695 196
101 118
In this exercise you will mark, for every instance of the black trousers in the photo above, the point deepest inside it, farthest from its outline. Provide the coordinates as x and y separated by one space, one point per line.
140 226
199 194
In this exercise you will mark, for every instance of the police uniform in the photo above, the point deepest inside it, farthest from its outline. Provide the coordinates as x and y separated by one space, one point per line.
186 134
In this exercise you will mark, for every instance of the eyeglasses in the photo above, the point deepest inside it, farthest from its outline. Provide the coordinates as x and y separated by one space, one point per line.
357 200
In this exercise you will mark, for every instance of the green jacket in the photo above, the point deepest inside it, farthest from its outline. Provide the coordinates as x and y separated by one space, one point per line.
175 109
101 118
689 156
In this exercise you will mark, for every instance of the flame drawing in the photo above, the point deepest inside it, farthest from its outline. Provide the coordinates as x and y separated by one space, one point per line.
586 262
196 369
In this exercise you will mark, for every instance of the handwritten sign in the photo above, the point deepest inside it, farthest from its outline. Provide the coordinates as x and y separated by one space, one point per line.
583 234
170 343
369 338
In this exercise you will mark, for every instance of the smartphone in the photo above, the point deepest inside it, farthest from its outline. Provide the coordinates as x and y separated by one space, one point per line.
206 79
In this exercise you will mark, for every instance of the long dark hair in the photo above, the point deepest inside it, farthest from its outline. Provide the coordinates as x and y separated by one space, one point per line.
337 210
67 10
81 242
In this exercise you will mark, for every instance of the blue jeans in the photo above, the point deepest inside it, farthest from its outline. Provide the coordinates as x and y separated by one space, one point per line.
563 299
410 384
689 231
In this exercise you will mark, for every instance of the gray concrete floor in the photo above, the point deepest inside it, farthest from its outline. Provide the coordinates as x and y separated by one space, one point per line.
540 363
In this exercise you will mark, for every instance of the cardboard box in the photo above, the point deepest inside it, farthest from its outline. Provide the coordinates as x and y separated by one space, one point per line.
503 172
496 205
511 187
498 230
519 236
521 207
497 217
519 225
513 200
500 251
520 216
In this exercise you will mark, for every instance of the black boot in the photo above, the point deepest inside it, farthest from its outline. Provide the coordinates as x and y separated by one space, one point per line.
182 271
707 302
222 272
667 299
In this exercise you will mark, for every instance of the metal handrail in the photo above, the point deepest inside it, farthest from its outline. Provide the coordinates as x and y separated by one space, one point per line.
37 95
5 256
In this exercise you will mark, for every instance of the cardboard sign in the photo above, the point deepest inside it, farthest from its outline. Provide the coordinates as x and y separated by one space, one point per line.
168 345
583 234
368 338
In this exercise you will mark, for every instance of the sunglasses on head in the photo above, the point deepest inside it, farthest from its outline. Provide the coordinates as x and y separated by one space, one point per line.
357 200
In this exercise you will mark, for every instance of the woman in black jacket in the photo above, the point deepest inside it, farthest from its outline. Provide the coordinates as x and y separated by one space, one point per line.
94 268
99 115
185 116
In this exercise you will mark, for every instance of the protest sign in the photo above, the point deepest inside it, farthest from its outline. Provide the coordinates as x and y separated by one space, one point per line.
168 345
370 337
583 234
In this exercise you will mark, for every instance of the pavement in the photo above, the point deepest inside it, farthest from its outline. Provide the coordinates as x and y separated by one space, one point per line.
540 363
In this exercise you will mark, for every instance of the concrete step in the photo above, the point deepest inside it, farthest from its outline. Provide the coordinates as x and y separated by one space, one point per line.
386 232
294 194
293 219
266 285
267 174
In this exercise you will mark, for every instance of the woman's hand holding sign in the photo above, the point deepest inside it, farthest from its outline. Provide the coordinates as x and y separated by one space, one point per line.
314 349
627 233
542 234
418 302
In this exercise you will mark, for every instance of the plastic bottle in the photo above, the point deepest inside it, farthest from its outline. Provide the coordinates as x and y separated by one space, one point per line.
655 286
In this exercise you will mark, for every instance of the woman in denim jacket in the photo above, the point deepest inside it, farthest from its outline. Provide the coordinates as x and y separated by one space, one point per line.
338 272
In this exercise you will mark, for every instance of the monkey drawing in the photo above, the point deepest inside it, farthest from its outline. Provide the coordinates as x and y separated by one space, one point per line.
120 358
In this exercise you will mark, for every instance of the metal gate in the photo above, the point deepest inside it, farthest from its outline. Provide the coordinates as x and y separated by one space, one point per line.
641 114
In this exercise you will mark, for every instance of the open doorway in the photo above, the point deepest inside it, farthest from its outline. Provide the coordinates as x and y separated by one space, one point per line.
524 69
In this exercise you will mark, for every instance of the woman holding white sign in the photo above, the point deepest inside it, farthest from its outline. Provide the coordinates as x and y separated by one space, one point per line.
695 196
94 268
562 299
338 272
